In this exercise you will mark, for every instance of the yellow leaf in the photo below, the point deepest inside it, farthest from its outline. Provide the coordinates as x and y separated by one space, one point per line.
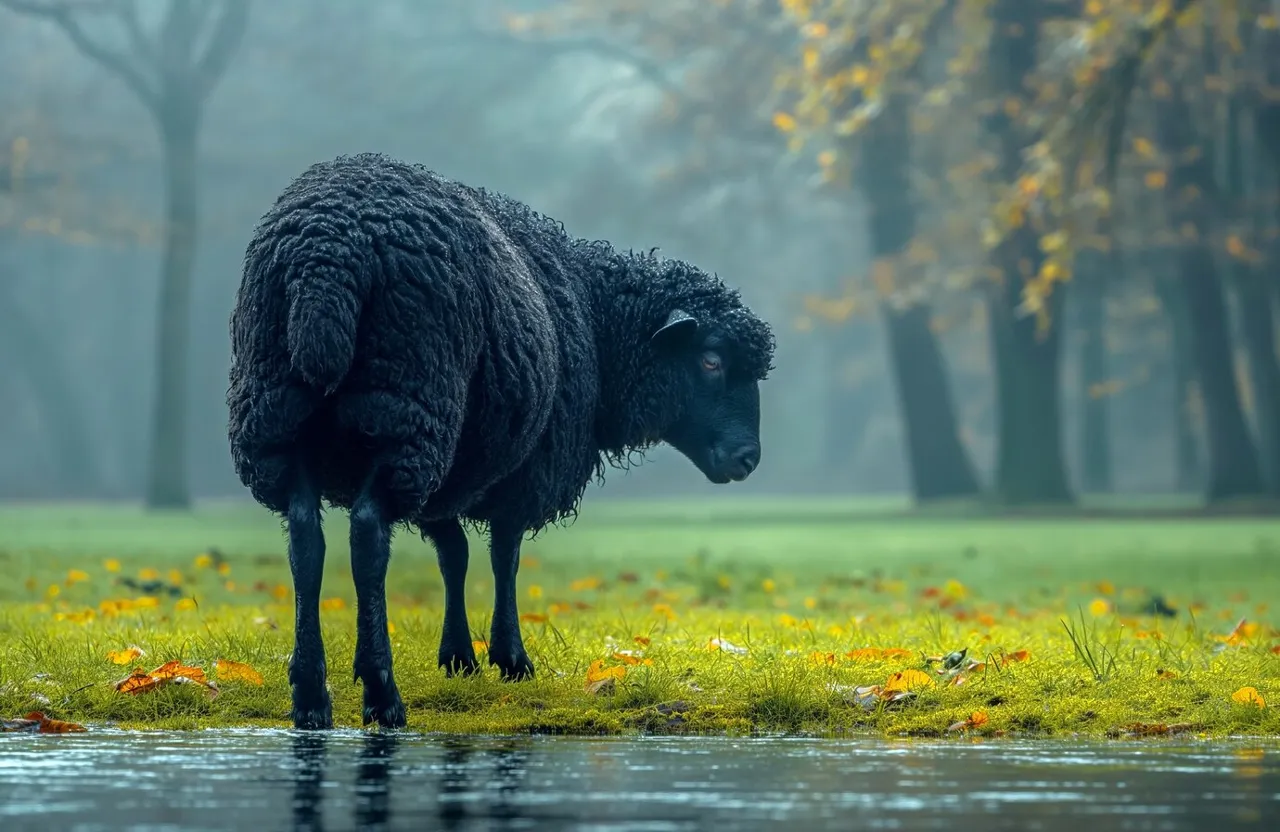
75 576
816 29
768 585
1269 22
53 591
1099 606
584 584
126 655
111 565
330 604
224 569
1050 243
185 604
1249 696
810 58
1235 247
827 158
535 592
908 680
391 629
1155 179
229 671
203 561
785 122
148 574
1106 588
1144 148
480 646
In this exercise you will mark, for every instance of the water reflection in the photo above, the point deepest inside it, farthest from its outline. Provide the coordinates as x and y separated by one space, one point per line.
309 756
354 779
474 782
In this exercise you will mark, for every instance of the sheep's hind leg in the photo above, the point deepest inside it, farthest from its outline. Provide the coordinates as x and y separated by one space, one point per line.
370 556
311 704
506 648
456 652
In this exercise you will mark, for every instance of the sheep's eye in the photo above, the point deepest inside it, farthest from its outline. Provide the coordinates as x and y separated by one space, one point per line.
710 362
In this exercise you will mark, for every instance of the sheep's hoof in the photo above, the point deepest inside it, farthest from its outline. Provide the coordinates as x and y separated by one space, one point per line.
513 668
388 713
311 712
459 663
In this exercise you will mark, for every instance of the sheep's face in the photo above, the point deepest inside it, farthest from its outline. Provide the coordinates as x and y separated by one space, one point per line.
719 424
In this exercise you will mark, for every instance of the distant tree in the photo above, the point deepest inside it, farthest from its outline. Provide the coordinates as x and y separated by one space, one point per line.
172 71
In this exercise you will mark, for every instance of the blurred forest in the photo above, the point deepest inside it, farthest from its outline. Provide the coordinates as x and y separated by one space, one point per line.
1018 248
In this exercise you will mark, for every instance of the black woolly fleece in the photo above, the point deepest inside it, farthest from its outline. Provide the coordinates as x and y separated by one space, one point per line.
483 361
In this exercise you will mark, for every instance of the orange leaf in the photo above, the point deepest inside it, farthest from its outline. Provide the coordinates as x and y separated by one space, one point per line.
126 655
37 723
645 641
139 681
55 726
331 604
533 618
229 671
1016 656
174 669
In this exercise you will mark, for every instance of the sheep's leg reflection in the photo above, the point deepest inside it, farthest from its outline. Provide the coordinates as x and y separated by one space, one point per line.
309 756
373 781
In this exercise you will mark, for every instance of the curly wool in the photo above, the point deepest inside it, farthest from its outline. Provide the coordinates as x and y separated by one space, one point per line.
477 359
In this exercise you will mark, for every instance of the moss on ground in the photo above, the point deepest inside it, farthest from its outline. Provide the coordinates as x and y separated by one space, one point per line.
710 633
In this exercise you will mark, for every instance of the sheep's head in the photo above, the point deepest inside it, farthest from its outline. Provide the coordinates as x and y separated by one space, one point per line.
719 372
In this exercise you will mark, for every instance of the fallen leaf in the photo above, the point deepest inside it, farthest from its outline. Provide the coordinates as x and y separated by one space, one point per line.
1014 657
645 641
229 671
126 655
37 723
726 646
601 679
533 618
1249 696
975 720
171 672
139 681
908 680
331 604
876 654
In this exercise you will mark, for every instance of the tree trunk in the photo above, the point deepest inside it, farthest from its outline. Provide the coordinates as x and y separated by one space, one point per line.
1233 469
939 465
1030 464
167 485
1186 390
1095 433
1257 327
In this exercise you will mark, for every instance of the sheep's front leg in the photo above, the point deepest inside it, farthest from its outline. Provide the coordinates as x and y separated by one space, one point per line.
506 648
311 705
370 557
456 653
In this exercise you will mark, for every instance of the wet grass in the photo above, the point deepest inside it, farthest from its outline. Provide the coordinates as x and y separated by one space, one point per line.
733 617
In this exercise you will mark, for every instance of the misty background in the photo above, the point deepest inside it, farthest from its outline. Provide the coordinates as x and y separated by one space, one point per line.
578 127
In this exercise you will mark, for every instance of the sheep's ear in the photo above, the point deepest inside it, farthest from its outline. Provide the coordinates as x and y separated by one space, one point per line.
679 328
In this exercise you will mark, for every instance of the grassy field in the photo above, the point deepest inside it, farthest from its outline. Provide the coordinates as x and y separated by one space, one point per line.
818 616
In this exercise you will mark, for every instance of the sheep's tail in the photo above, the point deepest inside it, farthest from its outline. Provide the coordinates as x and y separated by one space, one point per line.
325 298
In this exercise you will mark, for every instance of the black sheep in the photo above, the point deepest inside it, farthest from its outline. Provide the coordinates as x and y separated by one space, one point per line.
423 352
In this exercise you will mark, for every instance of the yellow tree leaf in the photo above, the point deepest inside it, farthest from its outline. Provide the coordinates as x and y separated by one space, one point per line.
229 671
1249 696
785 122
126 655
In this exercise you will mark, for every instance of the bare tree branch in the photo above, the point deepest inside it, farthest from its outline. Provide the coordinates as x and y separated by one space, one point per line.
227 34
64 15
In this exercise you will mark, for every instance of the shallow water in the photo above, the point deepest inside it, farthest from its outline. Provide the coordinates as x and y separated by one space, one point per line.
267 780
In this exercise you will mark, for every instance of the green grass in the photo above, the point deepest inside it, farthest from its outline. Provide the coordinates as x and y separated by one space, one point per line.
794 586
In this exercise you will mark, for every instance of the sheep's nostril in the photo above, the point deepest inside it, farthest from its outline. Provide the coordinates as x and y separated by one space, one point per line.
745 460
